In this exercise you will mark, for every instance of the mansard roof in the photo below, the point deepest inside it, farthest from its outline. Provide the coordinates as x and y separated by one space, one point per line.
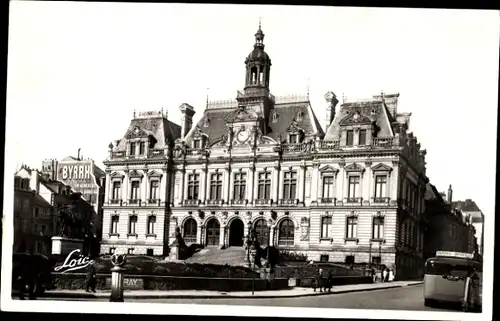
162 129
214 120
376 110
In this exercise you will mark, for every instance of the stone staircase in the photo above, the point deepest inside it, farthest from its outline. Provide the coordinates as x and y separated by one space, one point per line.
234 256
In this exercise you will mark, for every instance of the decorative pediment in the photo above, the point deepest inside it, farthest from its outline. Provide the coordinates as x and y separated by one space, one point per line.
293 127
381 168
135 174
354 168
242 114
355 118
136 132
155 174
116 175
328 169
198 133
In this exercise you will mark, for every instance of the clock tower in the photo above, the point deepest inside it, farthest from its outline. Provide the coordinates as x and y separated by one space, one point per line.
256 96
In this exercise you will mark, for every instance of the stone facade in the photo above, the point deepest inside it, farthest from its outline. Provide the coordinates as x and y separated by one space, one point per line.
351 192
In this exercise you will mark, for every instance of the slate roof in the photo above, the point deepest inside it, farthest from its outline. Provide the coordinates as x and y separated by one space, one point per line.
470 207
159 127
376 110
432 194
286 113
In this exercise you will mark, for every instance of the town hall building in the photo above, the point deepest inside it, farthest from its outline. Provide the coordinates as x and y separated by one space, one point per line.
349 192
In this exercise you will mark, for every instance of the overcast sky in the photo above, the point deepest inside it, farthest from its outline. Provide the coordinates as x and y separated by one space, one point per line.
77 71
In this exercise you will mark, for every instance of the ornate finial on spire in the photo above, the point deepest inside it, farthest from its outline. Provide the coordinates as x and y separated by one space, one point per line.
343 98
162 110
260 22
308 87
382 94
206 105
134 113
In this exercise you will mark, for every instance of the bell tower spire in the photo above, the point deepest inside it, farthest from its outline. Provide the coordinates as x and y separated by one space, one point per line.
258 63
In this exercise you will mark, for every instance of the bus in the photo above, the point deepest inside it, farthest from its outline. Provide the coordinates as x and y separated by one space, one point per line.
445 277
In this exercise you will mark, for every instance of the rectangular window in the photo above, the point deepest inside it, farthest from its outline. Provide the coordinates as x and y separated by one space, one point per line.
289 185
362 137
112 250
132 149
216 186
134 191
44 228
352 223
151 224
264 191
114 224
132 224
142 148
326 225
154 190
197 143
17 183
353 191
380 186
240 182
193 186
130 251
349 138
323 258
349 259
378 228
293 138
116 190
376 260
328 187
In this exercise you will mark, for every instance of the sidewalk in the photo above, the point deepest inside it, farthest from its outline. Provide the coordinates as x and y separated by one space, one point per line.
190 294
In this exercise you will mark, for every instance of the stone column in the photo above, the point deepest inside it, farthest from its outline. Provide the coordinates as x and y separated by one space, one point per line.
164 181
367 193
203 184
107 190
302 183
144 187
222 234
183 183
251 187
314 183
340 191
228 184
276 184
126 183
255 187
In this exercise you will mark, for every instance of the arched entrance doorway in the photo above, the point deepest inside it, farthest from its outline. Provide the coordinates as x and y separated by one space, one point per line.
236 230
262 232
213 232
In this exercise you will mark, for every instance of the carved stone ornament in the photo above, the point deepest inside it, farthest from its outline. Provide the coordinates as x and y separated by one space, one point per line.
304 229
355 118
178 151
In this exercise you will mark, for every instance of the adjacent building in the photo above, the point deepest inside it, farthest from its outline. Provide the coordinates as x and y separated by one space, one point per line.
470 209
38 201
448 228
84 177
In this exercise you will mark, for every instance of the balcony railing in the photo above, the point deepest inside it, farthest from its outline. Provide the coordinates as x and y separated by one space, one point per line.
263 201
352 200
189 239
154 202
328 200
115 202
215 202
384 142
330 145
381 200
239 201
289 201
192 202
134 202
285 242
195 152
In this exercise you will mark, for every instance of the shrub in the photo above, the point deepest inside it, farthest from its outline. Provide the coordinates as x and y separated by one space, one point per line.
292 256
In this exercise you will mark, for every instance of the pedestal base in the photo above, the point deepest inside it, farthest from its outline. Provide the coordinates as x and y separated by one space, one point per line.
66 245
116 284
174 252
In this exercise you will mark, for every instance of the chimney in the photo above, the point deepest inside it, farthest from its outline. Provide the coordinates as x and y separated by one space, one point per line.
332 102
34 181
187 118
450 194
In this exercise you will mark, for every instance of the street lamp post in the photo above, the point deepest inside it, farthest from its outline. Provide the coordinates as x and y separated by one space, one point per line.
379 254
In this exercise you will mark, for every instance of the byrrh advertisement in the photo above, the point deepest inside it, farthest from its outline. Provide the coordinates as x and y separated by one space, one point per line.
81 175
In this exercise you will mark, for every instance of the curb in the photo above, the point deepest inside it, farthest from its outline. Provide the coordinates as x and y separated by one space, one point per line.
280 296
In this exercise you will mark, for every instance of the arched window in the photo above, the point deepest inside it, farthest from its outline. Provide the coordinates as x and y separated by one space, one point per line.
190 229
213 232
262 232
286 233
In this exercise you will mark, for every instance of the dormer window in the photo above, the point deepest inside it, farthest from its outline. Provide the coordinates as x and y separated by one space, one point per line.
300 115
142 148
349 137
132 149
362 137
197 143
17 183
275 117
206 123
293 138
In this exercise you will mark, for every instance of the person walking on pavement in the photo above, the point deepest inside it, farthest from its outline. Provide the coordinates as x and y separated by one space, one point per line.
91 278
329 281
391 275
318 281
384 275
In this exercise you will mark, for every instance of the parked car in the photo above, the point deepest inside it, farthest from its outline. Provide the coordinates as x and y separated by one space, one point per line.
37 265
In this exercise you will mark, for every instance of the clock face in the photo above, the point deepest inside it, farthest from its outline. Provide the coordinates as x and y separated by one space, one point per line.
243 135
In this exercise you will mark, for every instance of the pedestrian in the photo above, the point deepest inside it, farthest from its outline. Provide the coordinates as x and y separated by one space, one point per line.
91 278
384 275
25 279
391 275
374 275
318 281
329 281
